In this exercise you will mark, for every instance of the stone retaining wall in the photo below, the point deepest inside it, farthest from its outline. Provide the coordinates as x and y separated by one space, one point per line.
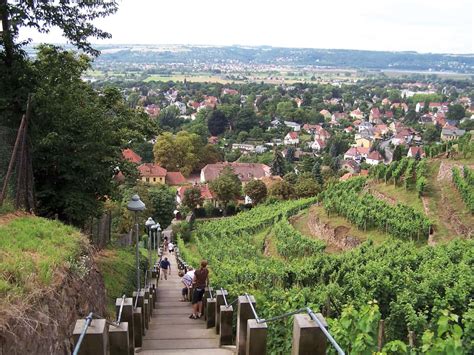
47 325
335 236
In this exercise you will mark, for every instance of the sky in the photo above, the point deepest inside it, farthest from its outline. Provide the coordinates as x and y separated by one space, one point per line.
436 26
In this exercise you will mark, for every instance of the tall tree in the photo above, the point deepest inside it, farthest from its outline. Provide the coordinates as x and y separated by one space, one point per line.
217 122
76 137
227 187
317 173
256 190
193 198
163 200
278 164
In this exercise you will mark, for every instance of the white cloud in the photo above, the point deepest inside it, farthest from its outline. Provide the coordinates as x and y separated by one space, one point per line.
420 25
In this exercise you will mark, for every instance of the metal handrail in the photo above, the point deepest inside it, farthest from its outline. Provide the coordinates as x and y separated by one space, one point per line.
323 329
209 287
225 298
136 298
119 317
83 334
308 310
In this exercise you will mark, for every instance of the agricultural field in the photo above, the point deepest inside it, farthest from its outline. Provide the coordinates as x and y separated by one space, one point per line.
259 252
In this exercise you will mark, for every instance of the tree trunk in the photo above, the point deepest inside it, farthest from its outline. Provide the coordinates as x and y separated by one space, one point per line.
6 34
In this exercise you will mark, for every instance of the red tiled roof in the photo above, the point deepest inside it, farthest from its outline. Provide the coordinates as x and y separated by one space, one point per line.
175 178
375 155
293 135
150 169
353 151
130 155
245 171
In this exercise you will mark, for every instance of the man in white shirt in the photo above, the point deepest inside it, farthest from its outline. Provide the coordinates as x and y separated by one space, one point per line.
170 247
187 281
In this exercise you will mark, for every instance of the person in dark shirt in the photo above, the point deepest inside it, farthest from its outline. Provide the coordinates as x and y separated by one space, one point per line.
165 265
200 281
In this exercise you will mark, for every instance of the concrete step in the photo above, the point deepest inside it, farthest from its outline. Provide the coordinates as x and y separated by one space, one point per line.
180 344
172 310
187 352
176 304
181 333
174 319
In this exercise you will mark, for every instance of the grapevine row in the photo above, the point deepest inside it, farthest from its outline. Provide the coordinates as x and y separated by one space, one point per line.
465 189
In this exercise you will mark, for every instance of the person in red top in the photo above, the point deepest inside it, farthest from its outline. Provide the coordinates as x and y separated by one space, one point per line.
200 281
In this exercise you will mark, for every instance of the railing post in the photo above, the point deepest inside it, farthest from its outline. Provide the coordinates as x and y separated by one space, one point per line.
96 338
141 305
244 313
207 295
308 339
127 316
119 341
225 325
219 302
256 338
137 326
210 312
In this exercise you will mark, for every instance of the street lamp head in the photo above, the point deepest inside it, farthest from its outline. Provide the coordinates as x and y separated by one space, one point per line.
135 204
158 227
149 222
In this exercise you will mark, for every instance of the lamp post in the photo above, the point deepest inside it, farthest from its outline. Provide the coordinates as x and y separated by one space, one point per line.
136 205
158 235
149 225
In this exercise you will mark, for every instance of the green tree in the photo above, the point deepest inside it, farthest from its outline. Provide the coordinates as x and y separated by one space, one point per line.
227 187
432 133
317 173
290 155
245 120
193 198
456 112
75 140
281 190
178 152
291 178
278 164
397 153
217 122
163 200
169 118
256 190
306 186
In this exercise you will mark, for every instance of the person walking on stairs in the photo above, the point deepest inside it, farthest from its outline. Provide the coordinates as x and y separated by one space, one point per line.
200 281
165 265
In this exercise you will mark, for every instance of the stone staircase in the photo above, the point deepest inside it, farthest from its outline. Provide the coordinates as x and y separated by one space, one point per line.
170 329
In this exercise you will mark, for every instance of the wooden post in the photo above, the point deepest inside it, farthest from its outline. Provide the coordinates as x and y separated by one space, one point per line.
219 302
127 316
210 312
225 325
256 338
308 339
96 338
244 313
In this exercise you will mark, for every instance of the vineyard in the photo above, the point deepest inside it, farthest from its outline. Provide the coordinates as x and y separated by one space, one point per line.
366 212
411 171
396 274
465 185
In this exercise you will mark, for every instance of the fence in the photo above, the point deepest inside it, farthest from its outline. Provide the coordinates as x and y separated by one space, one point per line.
99 230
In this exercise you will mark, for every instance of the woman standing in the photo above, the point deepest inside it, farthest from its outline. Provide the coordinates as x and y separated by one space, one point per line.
200 281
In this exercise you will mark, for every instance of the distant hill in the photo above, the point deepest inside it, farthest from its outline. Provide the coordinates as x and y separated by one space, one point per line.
185 56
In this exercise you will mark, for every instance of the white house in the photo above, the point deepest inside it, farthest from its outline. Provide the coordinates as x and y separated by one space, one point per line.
318 145
374 158
291 138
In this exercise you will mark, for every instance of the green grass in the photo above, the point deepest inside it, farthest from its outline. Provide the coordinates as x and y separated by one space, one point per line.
400 194
117 267
32 250
7 207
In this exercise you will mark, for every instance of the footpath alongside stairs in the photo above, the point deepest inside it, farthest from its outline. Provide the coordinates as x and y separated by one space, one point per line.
170 329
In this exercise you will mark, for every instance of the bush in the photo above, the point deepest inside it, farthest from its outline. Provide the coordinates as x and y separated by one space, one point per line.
182 230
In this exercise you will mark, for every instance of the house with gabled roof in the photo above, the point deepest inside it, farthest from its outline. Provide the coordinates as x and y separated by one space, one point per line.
291 138
131 156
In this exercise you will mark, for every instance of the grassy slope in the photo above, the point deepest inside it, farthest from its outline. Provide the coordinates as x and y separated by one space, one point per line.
32 250
117 267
